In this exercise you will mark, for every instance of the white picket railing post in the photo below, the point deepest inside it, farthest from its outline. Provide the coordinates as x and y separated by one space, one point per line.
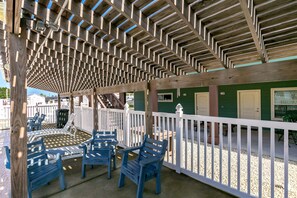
126 124
179 136
99 117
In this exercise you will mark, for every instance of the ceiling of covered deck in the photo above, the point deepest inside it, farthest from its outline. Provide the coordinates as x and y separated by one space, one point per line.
103 43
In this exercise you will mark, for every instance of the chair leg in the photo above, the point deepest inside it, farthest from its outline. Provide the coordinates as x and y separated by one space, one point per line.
122 180
140 187
62 181
83 171
109 169
29 192
114 163
158 184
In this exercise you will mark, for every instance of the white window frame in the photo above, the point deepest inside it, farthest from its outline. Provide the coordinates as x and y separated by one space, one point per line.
159 94
272 99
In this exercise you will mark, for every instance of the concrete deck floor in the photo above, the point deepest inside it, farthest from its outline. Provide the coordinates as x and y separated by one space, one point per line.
96 183
173 185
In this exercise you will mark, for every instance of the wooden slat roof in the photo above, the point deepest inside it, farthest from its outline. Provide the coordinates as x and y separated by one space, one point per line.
103 43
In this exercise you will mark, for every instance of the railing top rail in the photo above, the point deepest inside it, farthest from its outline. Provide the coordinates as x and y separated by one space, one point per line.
112 110
164 114
244 122
137 112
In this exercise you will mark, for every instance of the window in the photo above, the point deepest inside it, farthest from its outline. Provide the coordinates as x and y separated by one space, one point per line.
282 101
165 97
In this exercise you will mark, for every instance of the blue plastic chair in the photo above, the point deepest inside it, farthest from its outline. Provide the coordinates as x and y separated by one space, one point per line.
100 150
34 118
36 125
40 171
146 166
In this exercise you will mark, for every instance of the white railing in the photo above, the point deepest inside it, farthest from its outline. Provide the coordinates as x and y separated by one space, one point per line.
48 110
243 163
84 118
239 156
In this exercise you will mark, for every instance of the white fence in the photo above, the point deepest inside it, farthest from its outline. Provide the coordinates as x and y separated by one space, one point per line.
239 156
48 110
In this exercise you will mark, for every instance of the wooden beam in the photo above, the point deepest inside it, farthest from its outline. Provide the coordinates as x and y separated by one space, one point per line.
267 72
83 92
95 109
130 87
13 16
123 98
18 103
66 94
257 37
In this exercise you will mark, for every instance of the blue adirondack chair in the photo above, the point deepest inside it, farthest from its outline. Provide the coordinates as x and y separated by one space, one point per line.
34 118
32 126
146 166
100 150
40 171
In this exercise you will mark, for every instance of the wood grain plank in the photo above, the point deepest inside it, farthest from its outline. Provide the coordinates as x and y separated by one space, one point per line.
18 137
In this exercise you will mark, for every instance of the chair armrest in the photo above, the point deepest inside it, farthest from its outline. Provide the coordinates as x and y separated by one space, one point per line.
127 150
149 161
85 143
55 152
59 161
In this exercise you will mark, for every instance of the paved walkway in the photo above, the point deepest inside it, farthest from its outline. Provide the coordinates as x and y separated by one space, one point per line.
4 173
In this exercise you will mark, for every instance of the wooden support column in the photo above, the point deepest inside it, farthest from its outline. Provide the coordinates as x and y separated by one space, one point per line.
90 100
80 100
95 109
214 110
59 101
18 114
71 103
151 105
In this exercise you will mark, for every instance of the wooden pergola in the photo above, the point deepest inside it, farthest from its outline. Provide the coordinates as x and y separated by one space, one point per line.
89 47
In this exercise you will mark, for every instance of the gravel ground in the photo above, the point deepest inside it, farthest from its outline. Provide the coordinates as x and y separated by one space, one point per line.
191 163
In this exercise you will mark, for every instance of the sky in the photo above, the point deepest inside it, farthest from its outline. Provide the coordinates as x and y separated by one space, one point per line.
30 91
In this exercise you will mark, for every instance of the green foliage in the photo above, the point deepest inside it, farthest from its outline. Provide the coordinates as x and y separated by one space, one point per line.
3 92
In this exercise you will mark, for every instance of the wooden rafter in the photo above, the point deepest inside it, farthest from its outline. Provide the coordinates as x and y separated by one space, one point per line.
136 16
185 13
107 28
82 34
257 37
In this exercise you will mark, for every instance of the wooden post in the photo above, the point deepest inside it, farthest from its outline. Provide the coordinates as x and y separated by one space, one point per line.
90 100
214 109
18 113
71 104
80 99
151 105
59 101
95 109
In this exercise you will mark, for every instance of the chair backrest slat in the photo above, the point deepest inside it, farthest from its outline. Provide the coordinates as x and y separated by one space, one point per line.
101 139
152 148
